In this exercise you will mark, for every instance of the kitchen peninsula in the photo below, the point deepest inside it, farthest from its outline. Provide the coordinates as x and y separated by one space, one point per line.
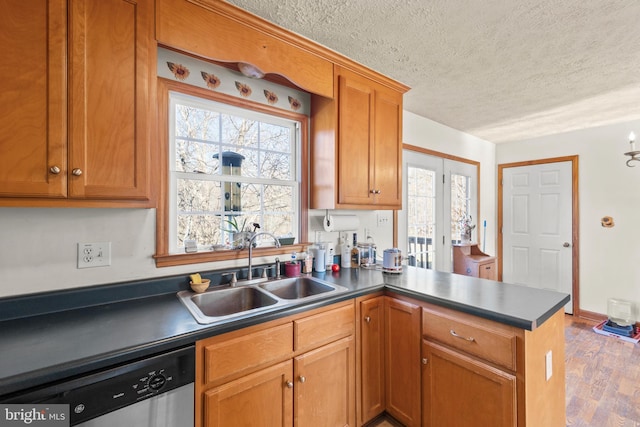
517 335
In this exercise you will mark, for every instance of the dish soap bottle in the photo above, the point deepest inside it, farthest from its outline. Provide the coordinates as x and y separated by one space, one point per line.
355 253
345 253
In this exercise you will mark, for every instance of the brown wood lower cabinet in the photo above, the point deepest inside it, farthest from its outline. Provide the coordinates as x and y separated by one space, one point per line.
461 391
423 364
324 386
295 371
261 398
372 377
402 360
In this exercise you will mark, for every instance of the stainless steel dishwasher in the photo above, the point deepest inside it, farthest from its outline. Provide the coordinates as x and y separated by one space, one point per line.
156 391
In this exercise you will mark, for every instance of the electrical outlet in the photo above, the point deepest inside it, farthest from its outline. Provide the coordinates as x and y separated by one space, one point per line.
94 254
384 219
548 358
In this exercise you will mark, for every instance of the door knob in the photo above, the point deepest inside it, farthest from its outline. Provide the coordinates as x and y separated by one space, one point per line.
566 244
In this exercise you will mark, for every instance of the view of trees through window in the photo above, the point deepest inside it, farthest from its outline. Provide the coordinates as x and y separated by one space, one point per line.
230 168
460 204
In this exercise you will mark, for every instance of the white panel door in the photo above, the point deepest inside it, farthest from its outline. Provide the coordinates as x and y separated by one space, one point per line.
537 226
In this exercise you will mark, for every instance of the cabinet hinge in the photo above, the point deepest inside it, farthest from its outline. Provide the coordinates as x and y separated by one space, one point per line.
443 178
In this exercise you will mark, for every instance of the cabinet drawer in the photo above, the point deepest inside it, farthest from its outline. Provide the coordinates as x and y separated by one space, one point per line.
492 344
322 328
232 357
487 270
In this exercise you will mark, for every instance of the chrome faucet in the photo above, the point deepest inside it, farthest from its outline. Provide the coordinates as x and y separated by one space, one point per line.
253 238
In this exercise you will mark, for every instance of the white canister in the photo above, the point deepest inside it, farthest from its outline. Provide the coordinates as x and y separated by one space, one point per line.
392 260
319 263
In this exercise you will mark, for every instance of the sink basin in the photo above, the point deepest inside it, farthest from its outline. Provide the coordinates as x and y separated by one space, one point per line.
226 304
245 300
297 288
231 301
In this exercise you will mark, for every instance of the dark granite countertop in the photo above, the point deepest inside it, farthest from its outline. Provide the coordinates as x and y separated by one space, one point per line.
48 347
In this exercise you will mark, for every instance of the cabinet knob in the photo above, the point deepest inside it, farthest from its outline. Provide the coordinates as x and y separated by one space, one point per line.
302 379
424 360
566 244
367 319
289 384
54 170
77 171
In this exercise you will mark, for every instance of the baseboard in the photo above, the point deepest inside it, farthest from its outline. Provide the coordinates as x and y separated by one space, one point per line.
592 316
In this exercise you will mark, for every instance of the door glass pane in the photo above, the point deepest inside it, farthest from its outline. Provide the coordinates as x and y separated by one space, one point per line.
460 204
421 221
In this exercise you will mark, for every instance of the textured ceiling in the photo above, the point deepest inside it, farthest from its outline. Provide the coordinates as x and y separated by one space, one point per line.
501 70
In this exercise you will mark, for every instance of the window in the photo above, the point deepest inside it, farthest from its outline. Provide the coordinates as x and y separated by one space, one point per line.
230 164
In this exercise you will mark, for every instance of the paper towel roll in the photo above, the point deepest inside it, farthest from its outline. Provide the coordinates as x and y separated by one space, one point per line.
341 222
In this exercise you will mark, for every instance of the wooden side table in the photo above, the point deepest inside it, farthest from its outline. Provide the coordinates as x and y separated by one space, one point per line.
469 260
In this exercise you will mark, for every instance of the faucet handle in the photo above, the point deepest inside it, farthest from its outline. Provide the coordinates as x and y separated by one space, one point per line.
264 271
233 280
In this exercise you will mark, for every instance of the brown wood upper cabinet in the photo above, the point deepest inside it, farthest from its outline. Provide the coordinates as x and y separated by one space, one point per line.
222 32
75 102
357 145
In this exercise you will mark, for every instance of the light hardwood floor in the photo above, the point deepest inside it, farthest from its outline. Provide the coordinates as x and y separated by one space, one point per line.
603 379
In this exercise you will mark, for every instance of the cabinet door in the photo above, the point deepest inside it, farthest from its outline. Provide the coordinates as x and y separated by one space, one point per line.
110 69
460 391
372 358
324 386
387 151
261 399
402 360
33 98
355 110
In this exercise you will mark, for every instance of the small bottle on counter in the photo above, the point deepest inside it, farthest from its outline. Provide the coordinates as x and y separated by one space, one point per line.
345 253
355 253
307 263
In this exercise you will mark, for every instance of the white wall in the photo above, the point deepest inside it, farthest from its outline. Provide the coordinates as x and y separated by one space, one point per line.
609 258
426 133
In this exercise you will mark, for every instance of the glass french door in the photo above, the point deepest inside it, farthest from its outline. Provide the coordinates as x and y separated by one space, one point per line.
437 194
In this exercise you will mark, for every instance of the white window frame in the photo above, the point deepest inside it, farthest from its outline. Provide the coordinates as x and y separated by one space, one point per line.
173 175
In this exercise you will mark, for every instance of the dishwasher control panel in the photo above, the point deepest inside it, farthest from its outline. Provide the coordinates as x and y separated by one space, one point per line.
107 390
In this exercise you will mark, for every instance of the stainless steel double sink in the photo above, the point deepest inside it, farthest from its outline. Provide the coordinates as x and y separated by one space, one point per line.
231 303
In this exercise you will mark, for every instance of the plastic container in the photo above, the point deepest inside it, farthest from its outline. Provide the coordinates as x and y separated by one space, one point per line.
291 269
367 254
307 263
621 312
319 263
